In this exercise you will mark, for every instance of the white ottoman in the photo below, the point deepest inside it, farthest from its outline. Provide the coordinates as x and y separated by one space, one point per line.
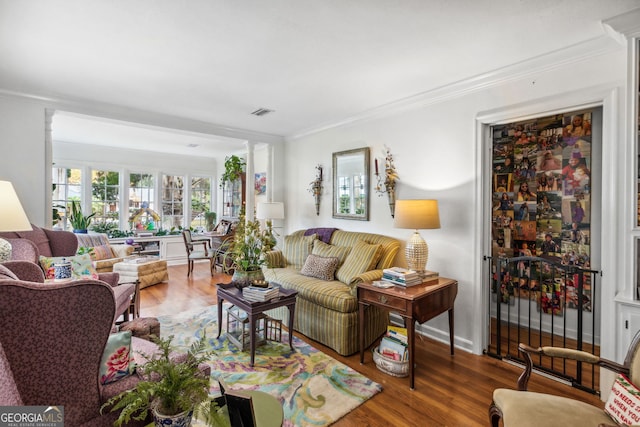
148 272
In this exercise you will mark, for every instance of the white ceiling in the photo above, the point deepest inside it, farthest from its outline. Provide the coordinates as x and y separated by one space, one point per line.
213 62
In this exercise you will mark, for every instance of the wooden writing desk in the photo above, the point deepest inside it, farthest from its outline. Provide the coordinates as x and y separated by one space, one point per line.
415 303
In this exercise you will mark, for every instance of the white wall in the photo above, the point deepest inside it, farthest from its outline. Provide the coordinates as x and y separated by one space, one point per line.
65 154
436 153
23 161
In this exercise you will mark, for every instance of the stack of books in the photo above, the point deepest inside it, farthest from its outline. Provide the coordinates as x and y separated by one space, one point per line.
256 294
394 344
401 276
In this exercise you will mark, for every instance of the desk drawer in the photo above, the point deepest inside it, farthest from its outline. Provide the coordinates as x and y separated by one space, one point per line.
383 300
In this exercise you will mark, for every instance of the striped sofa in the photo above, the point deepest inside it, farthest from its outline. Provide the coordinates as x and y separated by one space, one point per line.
327 310
104 254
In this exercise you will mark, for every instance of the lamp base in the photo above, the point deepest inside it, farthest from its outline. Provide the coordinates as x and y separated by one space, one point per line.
5 250
417 253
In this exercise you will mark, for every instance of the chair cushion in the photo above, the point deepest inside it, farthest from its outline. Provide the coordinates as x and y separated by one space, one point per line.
81 266
297 248
117 361
363 257
530 409
322 268
122 294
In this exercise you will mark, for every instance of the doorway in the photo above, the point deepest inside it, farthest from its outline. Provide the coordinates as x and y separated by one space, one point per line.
544 231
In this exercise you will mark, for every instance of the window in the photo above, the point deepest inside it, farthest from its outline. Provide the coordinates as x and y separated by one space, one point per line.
152 201
67 186
344 194
200 200
172 201
141 200
359 194
105 191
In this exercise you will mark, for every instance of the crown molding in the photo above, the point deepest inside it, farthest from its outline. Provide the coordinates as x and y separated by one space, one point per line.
530 67
626 24
142 117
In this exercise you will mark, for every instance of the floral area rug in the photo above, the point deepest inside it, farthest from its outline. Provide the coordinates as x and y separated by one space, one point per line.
315 389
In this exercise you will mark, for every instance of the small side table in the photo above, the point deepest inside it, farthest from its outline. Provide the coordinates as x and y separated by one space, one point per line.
414 303
229 292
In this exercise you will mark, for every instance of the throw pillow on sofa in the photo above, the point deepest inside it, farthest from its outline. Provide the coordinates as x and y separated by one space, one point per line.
323 249
101 252
323 268
363 257
81 266
297 248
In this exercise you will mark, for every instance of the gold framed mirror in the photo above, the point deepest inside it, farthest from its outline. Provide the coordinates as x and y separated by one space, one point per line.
351 184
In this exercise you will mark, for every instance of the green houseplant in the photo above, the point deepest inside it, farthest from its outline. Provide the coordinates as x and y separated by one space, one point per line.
210 220
172 387
78 220
245 256
233 168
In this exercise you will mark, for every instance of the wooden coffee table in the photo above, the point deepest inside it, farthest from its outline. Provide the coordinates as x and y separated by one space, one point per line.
229 292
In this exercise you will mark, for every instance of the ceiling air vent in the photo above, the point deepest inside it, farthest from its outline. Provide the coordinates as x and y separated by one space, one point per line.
262 111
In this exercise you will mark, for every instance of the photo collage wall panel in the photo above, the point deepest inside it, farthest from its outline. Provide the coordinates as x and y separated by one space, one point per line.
542 204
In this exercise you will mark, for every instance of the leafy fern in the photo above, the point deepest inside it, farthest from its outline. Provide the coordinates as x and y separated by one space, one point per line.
171 385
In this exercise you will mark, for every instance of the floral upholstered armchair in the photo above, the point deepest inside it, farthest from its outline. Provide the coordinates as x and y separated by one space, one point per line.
51 342
30 245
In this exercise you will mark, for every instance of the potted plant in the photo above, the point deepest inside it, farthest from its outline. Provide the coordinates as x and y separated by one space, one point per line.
210 220
233 168
245 256
79 222
173 389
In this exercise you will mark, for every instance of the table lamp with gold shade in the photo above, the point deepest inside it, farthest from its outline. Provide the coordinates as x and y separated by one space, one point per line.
418 215
12 217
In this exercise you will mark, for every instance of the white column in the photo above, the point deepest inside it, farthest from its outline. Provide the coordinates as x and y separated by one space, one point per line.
250 192
48 162
270 172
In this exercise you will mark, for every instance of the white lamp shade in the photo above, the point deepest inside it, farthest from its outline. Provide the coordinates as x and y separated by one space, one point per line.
12 215
270 210
417 214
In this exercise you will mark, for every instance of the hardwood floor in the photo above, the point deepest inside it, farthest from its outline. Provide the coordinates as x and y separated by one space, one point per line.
450 391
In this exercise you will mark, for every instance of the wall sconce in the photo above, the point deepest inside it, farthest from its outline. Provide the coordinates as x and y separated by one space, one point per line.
387 183
315 187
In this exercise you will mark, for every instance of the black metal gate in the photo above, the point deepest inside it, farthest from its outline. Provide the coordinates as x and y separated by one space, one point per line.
541 302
